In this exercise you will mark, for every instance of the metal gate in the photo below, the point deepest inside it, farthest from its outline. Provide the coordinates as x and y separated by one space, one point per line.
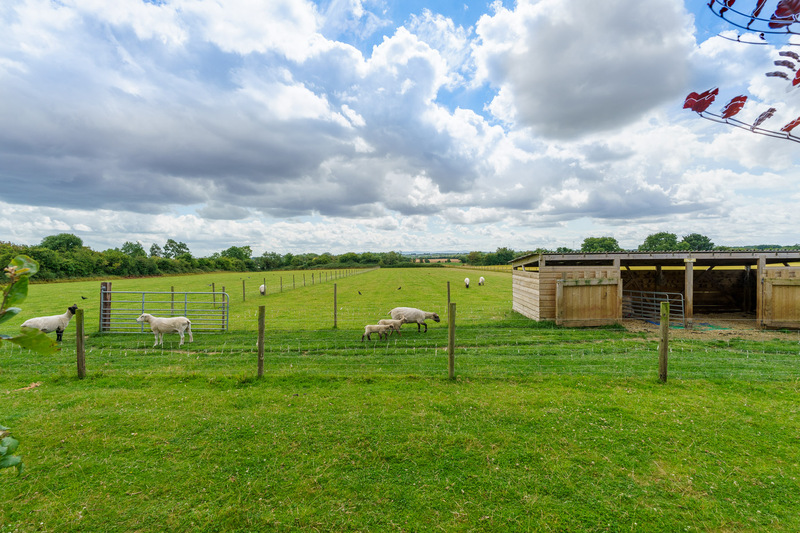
646 305
208 311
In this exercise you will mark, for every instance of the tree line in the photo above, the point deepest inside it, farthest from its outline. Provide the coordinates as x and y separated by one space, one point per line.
64 256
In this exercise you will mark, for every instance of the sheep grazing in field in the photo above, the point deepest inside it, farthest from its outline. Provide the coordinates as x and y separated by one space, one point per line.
392 322
411 315
48 324
380 329
481 281
263 290
466 282
161 325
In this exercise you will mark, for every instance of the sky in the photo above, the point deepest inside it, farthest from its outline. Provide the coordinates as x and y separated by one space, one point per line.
294 126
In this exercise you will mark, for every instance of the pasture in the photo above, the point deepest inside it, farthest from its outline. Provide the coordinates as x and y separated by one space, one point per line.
543 429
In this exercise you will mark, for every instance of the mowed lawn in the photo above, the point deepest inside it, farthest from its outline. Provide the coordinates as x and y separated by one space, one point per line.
543 429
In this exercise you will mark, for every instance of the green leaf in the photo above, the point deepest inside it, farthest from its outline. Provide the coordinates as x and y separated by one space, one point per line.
9 313
35 340
10 443
25 265
11 460
17 292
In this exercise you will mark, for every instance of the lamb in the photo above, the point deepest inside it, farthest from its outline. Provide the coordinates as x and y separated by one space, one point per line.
161 325
57 323
263 290
394 323
412 315
481 281
466 282
380 329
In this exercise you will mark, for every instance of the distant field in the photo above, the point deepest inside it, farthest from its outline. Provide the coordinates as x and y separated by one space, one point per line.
544 428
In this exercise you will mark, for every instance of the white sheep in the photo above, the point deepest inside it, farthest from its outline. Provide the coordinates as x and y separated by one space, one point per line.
466 282
263 290
411 315
481 281
47 324
380 329
392 322
161 325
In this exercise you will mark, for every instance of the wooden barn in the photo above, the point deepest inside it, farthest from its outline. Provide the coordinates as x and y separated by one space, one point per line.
591 289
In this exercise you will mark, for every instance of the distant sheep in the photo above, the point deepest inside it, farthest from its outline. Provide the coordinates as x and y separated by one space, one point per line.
466 282
481 281
263 290
411 315
380 329
48 324
161 325
392 322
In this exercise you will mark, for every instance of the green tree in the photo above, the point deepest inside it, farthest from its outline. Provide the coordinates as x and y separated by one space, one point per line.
63 242
242 253
133 249
660 242
172 249
600 244
696 241
156 251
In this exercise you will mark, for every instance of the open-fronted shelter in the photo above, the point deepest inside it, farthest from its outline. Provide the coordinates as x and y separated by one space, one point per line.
588 289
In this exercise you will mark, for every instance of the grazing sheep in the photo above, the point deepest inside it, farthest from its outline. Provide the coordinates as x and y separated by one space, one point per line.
466 282
263 290
47 324
380 329
161 325
392 322
481 281
411 315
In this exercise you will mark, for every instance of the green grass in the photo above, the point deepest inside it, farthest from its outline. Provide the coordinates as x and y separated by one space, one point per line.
544 429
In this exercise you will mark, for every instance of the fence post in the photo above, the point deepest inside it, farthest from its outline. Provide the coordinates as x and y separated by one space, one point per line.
663 346
243 291
105 306
281 283
172 301
448 296
293 285
79 344
335 322
261 314
213 294
451 340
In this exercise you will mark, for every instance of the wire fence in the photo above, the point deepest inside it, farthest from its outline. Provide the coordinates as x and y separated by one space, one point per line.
506 348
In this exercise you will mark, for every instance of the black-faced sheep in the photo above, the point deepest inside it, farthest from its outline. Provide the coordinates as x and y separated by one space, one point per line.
481 281
161 325
466 282
411 315
263 290
57 323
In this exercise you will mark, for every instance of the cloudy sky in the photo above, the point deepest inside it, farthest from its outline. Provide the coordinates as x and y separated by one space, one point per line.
377 125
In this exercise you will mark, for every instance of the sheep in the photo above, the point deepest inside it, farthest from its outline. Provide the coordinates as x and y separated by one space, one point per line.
481 281
380 329
411 315
47 324
394 323
466 282
161 325
263 290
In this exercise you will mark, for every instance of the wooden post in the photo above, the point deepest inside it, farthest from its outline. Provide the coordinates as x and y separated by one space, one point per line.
172 301
451 340
261 314
79 344
293 285
281 283
105 306
304 279
243 291
335 314
213 294
448 296
663 346
688 290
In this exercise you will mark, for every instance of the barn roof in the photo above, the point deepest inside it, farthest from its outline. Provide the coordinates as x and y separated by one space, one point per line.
630 259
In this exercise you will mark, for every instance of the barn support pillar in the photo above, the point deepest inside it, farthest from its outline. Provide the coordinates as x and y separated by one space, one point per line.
689 293
762 273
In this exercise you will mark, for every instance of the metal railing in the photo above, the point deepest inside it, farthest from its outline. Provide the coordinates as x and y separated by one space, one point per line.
646 305
208 311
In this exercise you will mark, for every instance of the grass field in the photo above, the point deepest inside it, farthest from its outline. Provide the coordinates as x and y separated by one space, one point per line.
544 429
